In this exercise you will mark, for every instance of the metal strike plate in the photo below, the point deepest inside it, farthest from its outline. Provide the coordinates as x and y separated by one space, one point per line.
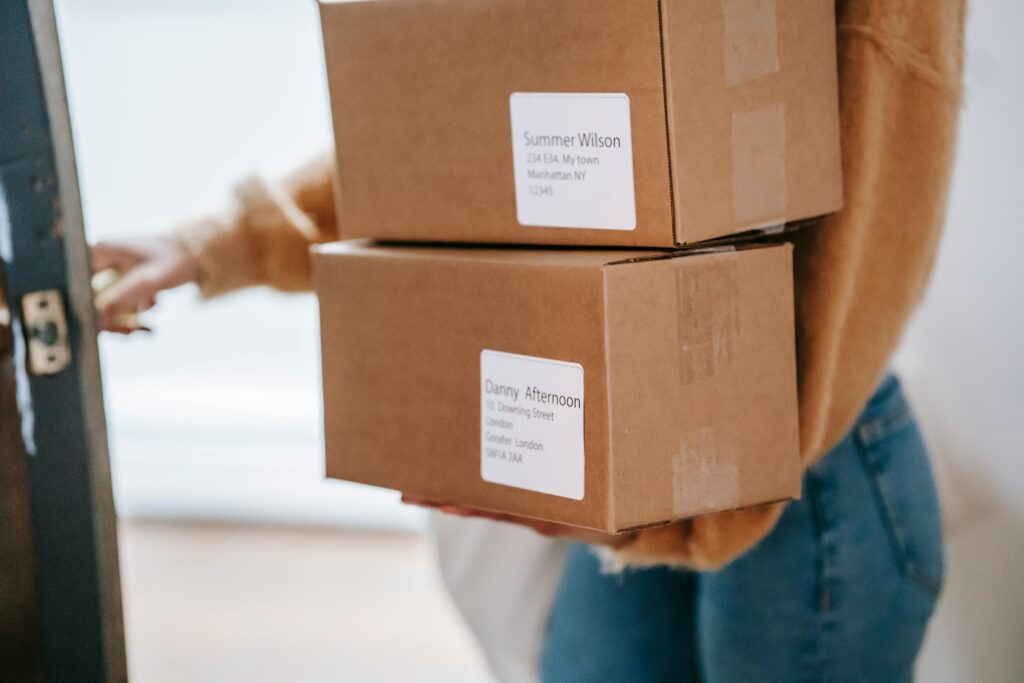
46 329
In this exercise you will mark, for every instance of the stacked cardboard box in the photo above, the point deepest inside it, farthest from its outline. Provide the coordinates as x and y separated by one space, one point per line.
606 388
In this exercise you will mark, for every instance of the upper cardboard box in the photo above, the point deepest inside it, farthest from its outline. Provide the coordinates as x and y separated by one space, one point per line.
605 122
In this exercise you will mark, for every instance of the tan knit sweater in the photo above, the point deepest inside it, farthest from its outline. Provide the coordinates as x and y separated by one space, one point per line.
858 274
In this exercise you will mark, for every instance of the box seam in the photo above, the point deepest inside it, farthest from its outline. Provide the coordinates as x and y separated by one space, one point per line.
662 49
612 519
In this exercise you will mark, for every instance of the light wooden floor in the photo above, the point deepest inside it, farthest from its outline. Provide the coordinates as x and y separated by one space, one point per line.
221 604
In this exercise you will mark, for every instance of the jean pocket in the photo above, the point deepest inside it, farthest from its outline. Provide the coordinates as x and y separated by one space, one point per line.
894 455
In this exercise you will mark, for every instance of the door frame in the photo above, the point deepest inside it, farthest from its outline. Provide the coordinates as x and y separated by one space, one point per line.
75 608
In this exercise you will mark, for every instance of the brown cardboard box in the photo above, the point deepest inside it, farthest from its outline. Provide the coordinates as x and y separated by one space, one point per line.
471 120
604 389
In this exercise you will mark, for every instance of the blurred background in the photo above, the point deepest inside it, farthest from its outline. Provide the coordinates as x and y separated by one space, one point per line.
241 563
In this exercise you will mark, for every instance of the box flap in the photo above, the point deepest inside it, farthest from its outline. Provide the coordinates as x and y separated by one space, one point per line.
540 256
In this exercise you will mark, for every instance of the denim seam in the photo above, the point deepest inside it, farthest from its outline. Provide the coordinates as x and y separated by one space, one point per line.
870 432
824 596
927 581
897 539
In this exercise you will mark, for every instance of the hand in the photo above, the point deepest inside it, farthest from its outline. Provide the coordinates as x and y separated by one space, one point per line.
552 529
147 266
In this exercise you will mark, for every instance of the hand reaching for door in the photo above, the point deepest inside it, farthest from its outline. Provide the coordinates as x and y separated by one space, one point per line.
145 267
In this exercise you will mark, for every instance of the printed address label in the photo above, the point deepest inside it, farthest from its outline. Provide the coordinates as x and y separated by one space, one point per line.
572 155
531 423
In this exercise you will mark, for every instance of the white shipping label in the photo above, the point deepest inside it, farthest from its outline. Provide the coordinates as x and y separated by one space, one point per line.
573 160
531 423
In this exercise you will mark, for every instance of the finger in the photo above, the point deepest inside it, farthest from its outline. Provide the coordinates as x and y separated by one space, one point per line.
131 293
461 511
118 327
423 503
121 323
464 511
106 255
113 323
484 514
412 500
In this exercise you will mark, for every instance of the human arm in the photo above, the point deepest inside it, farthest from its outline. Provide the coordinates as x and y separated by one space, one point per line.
263 239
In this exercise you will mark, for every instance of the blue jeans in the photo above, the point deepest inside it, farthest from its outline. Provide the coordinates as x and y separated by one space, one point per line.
841 590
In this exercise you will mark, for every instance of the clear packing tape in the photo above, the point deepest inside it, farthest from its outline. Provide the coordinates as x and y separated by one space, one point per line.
758 136
759 167
704 465
741 125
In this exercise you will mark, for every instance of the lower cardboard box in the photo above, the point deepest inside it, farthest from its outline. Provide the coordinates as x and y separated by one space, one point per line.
603 389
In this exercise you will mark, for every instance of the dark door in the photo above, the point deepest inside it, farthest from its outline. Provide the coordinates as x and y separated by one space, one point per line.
60 604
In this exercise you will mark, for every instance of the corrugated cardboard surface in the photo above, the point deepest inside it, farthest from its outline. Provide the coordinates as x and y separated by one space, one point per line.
788 70
689 373
700 356
420 98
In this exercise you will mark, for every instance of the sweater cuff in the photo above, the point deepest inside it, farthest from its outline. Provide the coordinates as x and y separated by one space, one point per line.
225 255
703 543
264 241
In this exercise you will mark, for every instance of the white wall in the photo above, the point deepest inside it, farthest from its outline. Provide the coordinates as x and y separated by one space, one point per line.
963 361
216 415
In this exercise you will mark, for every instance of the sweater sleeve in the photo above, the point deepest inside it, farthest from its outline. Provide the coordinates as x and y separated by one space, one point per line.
859 273
265 238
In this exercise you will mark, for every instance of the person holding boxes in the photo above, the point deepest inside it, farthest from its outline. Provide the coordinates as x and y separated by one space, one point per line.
837 585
